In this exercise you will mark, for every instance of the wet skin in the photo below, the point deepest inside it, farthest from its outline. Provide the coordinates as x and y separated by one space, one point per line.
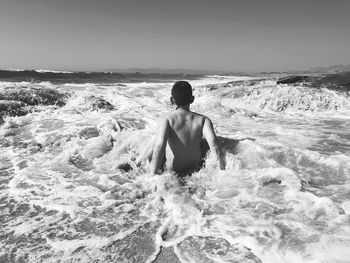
182 130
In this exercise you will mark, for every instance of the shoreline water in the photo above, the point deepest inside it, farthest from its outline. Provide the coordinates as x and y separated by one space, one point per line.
69 192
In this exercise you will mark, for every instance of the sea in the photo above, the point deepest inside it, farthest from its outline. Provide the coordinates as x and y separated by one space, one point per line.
75 182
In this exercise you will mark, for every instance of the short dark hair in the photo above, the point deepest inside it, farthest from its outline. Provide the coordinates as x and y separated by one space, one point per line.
182 93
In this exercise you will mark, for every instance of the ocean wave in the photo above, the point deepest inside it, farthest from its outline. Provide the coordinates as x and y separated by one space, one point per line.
75 182
266 95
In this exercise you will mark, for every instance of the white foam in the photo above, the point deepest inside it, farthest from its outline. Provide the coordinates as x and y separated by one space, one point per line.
284 194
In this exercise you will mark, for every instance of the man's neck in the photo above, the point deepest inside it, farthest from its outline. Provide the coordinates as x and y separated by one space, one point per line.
187 107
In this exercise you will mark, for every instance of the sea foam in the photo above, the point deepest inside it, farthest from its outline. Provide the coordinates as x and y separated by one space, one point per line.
283 197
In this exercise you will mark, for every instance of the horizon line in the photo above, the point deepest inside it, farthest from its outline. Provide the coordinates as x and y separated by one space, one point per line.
169 70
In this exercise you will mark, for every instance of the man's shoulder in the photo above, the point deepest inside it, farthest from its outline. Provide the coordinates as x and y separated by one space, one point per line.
200 116
173 116
168 116
163 118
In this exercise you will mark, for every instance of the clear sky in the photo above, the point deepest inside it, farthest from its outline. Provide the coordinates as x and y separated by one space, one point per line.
228 35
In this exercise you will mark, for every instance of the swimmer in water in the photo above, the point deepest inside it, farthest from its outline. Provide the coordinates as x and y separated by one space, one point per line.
183 130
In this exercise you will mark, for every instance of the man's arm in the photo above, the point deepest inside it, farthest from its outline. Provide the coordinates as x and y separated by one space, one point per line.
209 135
159 144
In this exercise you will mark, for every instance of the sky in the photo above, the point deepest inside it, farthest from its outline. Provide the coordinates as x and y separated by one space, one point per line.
219 35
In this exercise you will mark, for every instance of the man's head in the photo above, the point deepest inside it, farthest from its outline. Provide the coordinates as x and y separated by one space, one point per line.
181 93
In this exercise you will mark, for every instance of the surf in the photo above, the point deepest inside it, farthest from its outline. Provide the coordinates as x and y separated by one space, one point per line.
75 182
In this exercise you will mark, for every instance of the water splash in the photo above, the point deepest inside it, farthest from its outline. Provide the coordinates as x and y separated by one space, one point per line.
283 197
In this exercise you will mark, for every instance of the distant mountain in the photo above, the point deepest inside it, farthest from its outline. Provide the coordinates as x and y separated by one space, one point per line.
90 77
331 69
165 71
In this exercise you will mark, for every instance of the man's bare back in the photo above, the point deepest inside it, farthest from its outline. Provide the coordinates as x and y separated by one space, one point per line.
184 140
182 130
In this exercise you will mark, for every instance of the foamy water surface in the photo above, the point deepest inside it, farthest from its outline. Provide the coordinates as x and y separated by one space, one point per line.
284 196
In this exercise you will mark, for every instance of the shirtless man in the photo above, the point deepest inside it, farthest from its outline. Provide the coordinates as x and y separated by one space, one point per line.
183 130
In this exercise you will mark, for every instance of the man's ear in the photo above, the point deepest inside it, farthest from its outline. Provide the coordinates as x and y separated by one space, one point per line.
172 100
192 99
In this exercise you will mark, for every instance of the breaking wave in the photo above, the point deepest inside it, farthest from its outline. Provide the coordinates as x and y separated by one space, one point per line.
267 95
75 183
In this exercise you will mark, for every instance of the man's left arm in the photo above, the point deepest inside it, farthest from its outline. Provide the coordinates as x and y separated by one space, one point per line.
160 144
209 135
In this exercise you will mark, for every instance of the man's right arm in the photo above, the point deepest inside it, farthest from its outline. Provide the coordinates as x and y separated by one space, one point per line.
209 135
160 144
